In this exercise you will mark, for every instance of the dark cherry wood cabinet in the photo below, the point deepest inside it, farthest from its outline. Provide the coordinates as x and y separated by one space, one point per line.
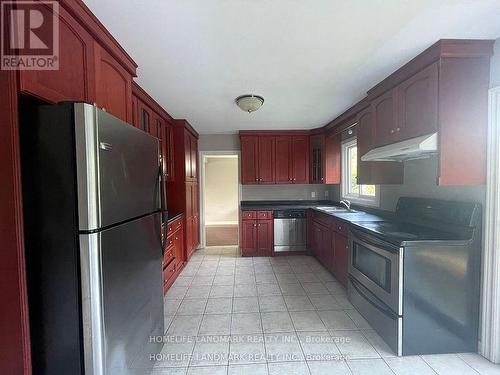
257 233
113 85
374 172
74 80
265 237
173 256
340 258
249 150
325 158
292 160
282 160
274 157
299 159
328 242
417 102
266 160
317 154
384 111
257 159
332 159
183 190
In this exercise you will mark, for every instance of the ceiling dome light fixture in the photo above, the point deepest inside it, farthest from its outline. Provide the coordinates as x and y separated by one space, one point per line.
249 103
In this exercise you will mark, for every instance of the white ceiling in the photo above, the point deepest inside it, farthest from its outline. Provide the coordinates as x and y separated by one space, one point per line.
310 60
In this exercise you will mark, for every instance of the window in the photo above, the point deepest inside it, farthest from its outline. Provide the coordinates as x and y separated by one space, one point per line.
362 194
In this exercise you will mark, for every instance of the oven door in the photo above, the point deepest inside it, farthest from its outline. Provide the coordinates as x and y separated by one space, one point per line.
378 266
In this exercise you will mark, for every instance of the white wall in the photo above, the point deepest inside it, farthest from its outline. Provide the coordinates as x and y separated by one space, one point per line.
288 192
219 142
221 190
495 66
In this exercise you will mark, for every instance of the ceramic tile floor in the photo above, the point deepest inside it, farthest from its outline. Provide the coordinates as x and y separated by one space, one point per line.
284 315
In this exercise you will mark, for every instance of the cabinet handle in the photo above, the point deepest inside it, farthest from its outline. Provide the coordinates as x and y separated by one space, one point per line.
398 129
392 131
255 225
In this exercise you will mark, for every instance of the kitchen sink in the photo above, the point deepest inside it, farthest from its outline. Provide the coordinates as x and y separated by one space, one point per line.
334 209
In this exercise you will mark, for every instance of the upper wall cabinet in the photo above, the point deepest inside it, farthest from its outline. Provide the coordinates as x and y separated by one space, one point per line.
113 85
374 172
444 90
258 159
274 157
74 80
93 67
292 159
417 103
325 158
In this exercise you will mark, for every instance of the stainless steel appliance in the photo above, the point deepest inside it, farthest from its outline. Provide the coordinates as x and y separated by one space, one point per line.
290 228
93 216
416 278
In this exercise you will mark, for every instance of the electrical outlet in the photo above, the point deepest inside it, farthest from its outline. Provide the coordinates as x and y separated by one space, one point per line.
313 194
326 193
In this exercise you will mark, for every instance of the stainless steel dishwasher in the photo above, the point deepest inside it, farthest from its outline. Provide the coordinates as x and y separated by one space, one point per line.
290 228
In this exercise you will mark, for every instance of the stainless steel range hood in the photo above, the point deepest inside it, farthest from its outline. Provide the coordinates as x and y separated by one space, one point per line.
415 148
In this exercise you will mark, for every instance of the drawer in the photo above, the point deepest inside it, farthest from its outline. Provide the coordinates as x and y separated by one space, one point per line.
169 271
170 241
264 214
340 227
168 256
322 218
174 225
246 215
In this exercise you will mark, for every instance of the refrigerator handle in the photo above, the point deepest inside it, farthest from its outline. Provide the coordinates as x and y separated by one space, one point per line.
163 206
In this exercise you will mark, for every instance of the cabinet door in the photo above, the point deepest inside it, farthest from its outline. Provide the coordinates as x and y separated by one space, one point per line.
187 156
300 159
316 240
266 160
384 118
340 259
328 254
113 85
418 104
283 160
249 238
194 157
179 245
374 172
265 241
332 159
168 142
74 80
249 146
316 159
364 137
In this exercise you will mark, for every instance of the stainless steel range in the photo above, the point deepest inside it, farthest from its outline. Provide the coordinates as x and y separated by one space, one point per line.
416 278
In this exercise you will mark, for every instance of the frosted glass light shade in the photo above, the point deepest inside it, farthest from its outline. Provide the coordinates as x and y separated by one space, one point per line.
249 103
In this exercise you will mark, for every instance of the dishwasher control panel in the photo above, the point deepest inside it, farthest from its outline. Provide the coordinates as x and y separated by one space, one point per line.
290 214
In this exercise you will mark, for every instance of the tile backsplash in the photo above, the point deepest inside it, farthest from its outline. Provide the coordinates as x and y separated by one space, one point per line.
288 192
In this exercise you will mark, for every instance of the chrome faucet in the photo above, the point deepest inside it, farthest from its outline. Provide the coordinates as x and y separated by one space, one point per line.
346 203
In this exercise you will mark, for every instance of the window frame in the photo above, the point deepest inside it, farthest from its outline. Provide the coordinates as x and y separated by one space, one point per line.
357 198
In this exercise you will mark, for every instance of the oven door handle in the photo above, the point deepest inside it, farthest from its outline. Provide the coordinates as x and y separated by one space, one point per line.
374 302
379 247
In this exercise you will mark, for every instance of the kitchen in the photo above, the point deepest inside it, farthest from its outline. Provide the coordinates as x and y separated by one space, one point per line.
367 206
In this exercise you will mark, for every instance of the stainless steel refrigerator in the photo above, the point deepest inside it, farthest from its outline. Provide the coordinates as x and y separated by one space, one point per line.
93 208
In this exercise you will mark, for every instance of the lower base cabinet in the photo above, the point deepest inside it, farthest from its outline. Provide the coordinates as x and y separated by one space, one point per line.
257 237
328 242
173 257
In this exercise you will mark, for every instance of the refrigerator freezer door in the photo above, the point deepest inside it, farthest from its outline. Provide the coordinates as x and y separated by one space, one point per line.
122 296
117 169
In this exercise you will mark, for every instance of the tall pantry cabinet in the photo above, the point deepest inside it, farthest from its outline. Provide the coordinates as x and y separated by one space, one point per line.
183 189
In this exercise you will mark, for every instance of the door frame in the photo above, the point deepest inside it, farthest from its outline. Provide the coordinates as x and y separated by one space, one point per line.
490 307
202 154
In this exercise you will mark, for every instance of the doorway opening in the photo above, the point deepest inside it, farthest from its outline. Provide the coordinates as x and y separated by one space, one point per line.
220 193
